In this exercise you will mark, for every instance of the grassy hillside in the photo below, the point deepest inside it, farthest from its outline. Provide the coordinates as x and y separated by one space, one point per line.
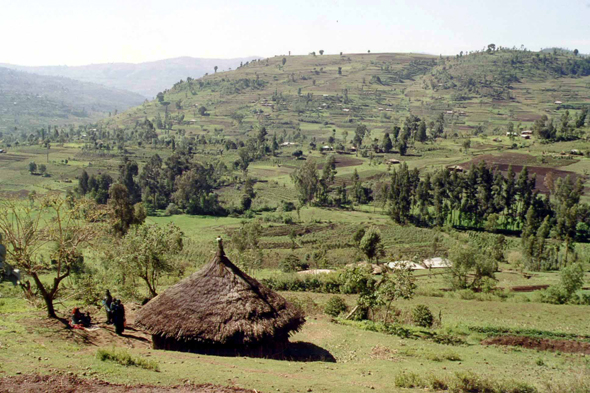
28 101
208 135
477 92
146 79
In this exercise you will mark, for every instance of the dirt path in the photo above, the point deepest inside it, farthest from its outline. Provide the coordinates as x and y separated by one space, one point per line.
543 344
72 384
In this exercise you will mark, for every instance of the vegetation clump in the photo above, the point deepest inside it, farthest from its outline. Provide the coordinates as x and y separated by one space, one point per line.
422 316
335 306
124 358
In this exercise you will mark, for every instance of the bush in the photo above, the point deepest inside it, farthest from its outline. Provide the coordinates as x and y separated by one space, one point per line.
422 316
125 359
335 306
171 210
291 263
409 380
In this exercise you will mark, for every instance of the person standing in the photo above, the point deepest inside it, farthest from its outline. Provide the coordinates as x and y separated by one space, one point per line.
118 316
107 302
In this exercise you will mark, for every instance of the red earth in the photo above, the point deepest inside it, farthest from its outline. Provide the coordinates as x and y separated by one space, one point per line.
519 161
73 384
543 344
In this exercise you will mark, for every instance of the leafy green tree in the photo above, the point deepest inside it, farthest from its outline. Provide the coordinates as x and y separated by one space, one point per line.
572 278
83 183
32 167
467 269
358 236
127 172
359 134
421 134
45 238
395 285
122 210
42 169
147 252
371 244
402 147
215 69
386 144
306 181
284 61
321 51
246 242
329 170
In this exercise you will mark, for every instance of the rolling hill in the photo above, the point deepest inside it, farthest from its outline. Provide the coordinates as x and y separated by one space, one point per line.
146 79
319 96
29 100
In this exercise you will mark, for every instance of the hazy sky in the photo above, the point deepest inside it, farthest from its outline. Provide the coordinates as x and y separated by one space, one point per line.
76 32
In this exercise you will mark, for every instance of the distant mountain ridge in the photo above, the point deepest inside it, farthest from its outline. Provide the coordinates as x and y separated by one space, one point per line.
30 100
147 79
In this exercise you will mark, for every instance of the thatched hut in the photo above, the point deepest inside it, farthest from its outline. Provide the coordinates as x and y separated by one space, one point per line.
220 310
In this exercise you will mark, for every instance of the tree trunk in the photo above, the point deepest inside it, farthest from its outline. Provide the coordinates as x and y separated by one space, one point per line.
49 304
47 297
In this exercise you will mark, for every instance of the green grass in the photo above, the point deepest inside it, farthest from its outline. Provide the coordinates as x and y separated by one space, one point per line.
124 358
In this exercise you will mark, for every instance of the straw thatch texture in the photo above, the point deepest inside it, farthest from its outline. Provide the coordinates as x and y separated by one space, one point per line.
220 309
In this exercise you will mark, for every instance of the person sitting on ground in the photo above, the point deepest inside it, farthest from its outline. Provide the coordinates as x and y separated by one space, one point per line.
80 320
107 303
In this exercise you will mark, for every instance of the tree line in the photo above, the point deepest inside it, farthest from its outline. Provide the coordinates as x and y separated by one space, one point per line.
483 198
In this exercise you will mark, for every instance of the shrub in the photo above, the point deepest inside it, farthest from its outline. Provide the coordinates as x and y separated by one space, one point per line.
335 306
409 380
555 294
171 210
124 358
422 316
291 263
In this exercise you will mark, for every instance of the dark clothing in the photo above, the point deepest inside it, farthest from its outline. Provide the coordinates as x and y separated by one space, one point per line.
107 303
118 311
79 318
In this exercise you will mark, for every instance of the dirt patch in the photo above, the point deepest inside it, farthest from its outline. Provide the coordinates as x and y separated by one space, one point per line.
14 194
543 344
104 336
71 384
14 157
383 353
518 162
529 288
344 161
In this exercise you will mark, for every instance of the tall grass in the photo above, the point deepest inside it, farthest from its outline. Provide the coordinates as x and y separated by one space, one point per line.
124 358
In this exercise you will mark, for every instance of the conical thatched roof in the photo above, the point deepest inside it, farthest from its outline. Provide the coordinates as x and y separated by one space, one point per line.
220 304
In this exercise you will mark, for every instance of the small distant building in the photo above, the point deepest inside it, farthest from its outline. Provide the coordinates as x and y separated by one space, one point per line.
527 132
456 168
392 161
497 140
523 136
345 110
449 112
2 151
511 134
558 102
326 148
288 144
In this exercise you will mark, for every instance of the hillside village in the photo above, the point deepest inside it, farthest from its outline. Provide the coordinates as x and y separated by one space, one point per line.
320 222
